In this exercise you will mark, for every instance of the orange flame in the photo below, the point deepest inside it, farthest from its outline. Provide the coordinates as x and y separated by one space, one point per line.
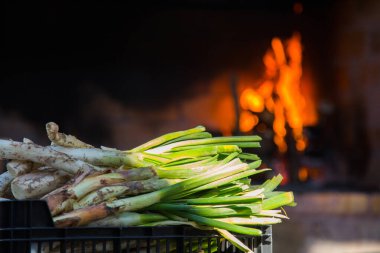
303 174
252 100
247 121
282 93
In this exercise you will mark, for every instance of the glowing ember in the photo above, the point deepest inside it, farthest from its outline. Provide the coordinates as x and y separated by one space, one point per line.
282 93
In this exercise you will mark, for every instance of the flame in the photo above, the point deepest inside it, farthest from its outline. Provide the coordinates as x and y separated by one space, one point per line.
303 174
283 93
247 121
252 100
306 173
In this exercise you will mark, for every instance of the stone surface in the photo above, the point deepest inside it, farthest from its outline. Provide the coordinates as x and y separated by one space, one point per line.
330 222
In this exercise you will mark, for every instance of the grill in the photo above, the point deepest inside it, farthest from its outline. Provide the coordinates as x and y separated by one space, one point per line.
26 226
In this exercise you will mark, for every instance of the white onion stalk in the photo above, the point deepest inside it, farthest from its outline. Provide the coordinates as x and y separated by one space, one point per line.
18 168
38 183
45 155
62 139
5 180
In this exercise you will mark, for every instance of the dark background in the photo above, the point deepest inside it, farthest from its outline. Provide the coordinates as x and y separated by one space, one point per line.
142 54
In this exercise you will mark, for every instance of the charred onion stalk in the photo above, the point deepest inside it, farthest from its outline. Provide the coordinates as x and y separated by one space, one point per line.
61 139
44 155
124 189
5 180
18 168
38 183
124 219
110 158
186 177
62 200
85 215
69 197
193 144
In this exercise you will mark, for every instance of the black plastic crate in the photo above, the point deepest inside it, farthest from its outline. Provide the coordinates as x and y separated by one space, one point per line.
26 226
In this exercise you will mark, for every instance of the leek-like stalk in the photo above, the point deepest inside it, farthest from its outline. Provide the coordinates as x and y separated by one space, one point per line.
210 211
257 192
232 239
128 219
279 200
222 200
52 130
176 223
191 178
103 194
167 137
247 156
123 189
214 141
85 215
272 213
251 221
231 189
45 155
218 183
62 200
38 183
203 151
196 168
181 173
194 136
18 168
239 144
187 161
101 157
271 184
5 180
220 224
191 163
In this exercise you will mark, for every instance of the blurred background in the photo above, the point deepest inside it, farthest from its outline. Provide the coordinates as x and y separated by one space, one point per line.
304 76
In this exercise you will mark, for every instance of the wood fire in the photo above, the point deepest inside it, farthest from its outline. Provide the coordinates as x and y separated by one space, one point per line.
283 93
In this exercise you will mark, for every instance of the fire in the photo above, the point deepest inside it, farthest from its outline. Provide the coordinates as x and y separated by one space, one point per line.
283 93
303 174
252 100
283 99
247 121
